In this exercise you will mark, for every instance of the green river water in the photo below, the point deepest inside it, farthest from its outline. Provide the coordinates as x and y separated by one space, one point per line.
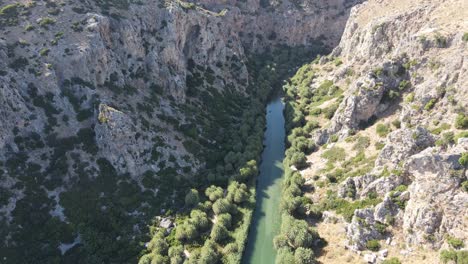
266 220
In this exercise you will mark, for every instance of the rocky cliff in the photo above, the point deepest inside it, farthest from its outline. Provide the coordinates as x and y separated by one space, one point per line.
393 141
108 107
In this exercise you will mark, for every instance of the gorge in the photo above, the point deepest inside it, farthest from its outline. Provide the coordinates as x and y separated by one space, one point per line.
145 131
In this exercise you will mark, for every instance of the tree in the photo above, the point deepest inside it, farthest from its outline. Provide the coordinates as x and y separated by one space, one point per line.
285 255
192 198
224 220
208 254
304 256
176 254
238 192
222 206
214 193
299 160
219 233
186 231
200 220
158 244
248 171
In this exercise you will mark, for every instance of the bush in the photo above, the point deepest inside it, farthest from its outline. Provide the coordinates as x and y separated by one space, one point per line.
448 255
464 186
329 112
299 160
393 260
44 22
461 122
285 255
334 154
465 37
373 245
304 256
192 198
429 105
455 242
463 160
382 130
361 143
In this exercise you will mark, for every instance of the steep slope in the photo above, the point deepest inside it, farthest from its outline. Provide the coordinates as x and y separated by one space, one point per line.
390 109
112 110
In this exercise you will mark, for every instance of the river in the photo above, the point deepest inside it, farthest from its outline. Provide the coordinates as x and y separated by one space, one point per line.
267 217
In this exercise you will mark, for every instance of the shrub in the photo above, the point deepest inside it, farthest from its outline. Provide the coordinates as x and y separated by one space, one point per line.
373 245
361 143
448 255
44 22
465 186
285 255
299 160
429 105
192 198
334 154
393 260
329 112
465 37
463 160
409 98
304 256
455 242
44 52
461 122
382 130
396 123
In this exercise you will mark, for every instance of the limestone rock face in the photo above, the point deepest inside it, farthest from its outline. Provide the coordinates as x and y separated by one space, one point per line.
436 201
401 144
402 64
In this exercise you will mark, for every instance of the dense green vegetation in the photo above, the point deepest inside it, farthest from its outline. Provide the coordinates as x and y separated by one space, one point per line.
226 208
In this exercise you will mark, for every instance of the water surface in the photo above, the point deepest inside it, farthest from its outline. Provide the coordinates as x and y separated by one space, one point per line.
267 218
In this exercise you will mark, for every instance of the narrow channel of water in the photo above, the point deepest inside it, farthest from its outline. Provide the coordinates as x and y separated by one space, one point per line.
267 218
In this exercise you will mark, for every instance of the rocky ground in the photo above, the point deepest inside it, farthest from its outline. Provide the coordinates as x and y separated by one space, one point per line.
394 147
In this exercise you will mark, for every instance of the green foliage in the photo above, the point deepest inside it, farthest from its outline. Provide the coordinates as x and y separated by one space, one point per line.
465 37
214 193
455 242
464 159
334 154
409 98
248 171
429 105
299 160
46 21
192 198
461 122
464 186
304 256
448 255
344 207
373 245
361 143
219 233
392 260
222 206
382 130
